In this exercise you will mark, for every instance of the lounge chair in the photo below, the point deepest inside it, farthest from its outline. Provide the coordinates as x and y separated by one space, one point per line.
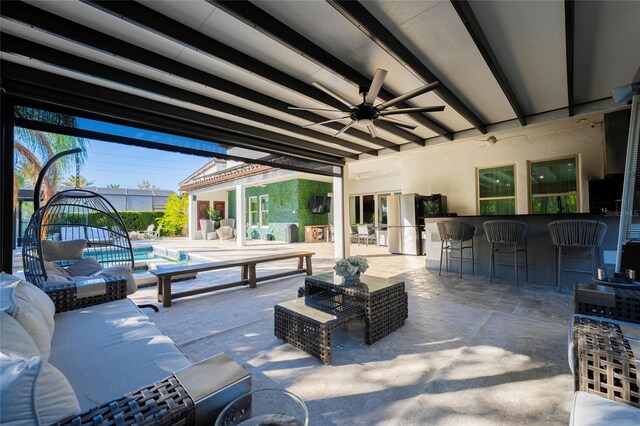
151 234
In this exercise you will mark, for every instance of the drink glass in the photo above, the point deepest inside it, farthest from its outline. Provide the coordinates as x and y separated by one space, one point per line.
265 407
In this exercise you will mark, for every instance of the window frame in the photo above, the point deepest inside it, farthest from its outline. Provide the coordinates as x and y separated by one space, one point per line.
530 194
251 223
515 187
260 210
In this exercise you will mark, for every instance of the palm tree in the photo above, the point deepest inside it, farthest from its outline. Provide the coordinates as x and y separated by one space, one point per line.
33 148
145 184
80 180
113 185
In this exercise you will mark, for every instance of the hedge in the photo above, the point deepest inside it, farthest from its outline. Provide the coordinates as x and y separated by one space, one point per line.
139 221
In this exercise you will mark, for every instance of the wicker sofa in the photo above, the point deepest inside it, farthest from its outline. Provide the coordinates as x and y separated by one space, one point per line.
105 363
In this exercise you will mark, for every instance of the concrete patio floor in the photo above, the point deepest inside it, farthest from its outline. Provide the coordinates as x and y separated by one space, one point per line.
471 352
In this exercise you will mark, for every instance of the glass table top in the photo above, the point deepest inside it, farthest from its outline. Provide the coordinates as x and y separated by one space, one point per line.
367 283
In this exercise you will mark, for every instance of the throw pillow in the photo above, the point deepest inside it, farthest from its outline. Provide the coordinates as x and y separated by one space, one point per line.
33 392
14 340
52 268
84 267
15 300
124 271
62 250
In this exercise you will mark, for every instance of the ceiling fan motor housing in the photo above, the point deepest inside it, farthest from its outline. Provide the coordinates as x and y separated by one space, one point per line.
364 112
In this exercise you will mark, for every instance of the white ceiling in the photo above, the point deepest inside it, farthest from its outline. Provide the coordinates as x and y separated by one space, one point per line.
527 37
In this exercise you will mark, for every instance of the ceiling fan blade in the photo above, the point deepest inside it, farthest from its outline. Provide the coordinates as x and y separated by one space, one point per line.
317 109
409 110
409 95
344 129
372 130
325 122
333 94
398 123
376 85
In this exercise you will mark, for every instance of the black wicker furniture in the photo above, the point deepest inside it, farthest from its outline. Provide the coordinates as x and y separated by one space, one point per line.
307 322
608 300
604 358
248 275
384 300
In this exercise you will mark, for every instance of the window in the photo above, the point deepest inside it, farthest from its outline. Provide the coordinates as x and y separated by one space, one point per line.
368 209
253 211
264 210
382 208
553 186
497 191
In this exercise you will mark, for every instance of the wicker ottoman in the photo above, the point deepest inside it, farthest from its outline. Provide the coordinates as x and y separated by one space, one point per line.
307 322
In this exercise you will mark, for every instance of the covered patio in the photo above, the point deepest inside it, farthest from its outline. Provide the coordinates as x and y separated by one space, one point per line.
403 120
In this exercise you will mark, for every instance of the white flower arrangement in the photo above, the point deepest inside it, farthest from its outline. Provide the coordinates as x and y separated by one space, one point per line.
351 266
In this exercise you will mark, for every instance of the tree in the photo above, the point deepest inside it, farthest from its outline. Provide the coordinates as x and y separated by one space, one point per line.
80 180
34 148
113 185
175 217
145 184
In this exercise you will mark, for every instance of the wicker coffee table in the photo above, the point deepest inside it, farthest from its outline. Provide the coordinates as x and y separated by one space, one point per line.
385 301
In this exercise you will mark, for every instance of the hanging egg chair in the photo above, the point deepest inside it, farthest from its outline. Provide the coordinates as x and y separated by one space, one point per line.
75 224
75 215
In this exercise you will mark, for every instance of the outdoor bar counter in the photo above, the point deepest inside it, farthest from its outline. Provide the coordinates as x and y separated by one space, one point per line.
540 249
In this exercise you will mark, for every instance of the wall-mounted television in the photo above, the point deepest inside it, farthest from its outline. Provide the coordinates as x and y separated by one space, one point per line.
319 204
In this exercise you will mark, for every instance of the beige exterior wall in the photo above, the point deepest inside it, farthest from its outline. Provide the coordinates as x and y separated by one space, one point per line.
450 168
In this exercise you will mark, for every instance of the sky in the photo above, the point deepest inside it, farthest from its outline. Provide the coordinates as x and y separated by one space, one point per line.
111 163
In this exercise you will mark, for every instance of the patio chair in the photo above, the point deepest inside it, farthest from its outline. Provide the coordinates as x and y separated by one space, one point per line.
151 234
228 222
364 233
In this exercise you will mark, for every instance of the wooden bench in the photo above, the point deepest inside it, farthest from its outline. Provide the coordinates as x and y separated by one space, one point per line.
247 273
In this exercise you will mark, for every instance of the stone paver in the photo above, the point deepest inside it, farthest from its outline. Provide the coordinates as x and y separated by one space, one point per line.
471 352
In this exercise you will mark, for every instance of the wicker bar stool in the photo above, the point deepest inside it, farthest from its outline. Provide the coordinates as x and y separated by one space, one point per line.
444 245
459 232
509 233
577 233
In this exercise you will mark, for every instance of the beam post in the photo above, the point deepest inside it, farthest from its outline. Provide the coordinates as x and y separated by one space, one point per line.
193 216
6 183
241 230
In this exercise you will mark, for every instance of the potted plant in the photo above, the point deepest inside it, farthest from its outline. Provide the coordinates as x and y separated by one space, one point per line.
351 268
214 216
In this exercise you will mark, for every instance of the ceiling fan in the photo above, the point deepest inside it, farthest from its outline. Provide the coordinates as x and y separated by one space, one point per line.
366 113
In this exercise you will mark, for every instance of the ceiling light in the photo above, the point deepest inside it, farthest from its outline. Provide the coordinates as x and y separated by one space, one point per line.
541 177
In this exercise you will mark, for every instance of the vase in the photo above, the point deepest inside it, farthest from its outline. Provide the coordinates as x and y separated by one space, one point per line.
351 278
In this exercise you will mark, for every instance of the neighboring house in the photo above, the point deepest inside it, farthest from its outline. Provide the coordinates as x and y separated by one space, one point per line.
274 198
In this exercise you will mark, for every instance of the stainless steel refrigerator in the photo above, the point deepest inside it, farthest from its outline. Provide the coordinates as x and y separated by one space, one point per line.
403 227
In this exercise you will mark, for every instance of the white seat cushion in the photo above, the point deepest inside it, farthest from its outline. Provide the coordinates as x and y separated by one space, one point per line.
19 300
592 410
14 340
33 392
38 297
110 349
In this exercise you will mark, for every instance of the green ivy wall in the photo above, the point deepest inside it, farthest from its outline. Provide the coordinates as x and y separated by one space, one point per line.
288 204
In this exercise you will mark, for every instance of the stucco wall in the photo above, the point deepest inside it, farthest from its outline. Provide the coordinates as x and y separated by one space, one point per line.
450 168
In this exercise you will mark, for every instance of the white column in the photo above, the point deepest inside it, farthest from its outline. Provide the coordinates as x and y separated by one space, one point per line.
193 217
241 230
341 224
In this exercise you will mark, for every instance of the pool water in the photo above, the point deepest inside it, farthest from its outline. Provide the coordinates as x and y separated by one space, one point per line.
142 255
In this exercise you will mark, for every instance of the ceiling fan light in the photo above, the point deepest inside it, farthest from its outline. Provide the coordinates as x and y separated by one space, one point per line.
365 122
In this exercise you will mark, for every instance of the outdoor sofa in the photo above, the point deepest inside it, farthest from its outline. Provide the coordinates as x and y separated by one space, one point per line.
104 363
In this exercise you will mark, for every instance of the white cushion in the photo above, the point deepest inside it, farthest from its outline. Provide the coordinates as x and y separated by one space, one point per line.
17 300
53 269
592 410
84 267
62 250
8 277
14 340
122 270
33 392
108 350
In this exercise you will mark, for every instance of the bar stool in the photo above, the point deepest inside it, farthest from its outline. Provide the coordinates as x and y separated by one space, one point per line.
576 233
459 232
507 232
444 244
